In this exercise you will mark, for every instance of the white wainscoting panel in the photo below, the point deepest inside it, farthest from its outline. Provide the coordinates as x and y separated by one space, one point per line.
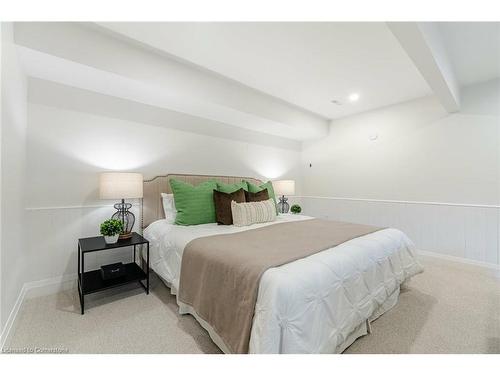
54 232
464 231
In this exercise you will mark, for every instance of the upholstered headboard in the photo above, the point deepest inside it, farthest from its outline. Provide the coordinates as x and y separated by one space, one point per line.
152 207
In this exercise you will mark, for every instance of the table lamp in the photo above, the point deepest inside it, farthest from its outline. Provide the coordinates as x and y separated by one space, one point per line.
282 188
119 185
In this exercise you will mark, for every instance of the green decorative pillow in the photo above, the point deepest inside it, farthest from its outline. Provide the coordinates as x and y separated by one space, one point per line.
252 188
194 204
231 188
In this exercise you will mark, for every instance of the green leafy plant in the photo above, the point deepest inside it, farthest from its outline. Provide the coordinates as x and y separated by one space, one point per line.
296 209
111 227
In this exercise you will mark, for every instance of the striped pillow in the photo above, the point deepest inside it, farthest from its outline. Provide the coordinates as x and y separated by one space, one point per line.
253 212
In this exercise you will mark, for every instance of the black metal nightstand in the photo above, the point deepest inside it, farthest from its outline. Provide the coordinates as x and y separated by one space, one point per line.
91 281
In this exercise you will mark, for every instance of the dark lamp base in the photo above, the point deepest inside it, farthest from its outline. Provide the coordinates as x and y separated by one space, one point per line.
283 205
126 217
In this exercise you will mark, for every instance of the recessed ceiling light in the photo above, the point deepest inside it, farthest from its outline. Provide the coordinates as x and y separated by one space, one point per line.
354 97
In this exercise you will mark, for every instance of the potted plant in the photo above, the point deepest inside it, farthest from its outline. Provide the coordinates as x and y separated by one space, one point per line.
111 229
296 209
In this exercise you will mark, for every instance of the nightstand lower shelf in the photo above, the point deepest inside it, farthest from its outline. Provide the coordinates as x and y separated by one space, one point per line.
93 282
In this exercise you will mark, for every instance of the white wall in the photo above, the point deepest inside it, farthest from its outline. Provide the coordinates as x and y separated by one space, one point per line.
422 154
67 149
13 160
1 138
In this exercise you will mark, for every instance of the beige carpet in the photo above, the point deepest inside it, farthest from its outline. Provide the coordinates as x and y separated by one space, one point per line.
450 308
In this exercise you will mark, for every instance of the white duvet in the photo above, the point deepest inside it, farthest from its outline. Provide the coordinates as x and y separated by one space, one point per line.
318 304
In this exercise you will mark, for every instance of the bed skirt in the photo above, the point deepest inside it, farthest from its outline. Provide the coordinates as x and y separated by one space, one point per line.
359 331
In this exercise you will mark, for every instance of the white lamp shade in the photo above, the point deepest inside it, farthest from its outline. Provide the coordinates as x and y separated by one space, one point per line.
284 187
118 185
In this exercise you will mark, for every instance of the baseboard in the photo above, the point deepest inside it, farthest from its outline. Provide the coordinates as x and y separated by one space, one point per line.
491 266
50 286
35 289
10 324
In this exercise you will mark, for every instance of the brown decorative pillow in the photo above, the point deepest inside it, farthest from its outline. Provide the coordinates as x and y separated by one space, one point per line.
260 196
222 203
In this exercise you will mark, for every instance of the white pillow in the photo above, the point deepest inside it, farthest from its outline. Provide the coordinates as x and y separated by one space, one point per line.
253 212
169 207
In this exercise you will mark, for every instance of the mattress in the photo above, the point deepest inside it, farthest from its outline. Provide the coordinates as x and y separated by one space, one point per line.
318 304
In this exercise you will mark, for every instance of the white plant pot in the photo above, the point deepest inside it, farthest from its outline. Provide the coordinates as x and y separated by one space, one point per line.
111 239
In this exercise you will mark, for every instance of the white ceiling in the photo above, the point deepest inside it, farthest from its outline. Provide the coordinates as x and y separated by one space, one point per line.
258 76
103 64
306 64
474 49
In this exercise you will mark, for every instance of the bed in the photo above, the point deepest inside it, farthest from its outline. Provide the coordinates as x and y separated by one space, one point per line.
317 304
